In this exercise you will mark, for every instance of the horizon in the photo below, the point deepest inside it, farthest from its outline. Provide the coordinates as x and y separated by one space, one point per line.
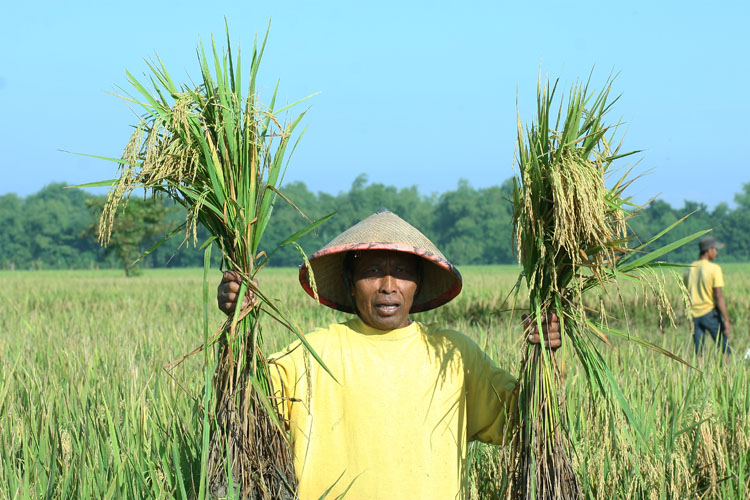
682 205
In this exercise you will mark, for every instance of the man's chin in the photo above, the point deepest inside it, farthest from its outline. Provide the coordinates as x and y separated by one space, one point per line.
388 322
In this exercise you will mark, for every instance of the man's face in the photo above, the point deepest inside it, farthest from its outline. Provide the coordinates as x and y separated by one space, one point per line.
383 285
712 253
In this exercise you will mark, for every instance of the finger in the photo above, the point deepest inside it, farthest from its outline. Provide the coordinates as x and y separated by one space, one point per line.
549 343
228 298
249 299
227 285
229 289
552 337
551 328
553 344
532 329
528 326
231 276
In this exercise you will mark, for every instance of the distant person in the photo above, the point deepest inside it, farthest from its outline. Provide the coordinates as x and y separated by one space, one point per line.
705 282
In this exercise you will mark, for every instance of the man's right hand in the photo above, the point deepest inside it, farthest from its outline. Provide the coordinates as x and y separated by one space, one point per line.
550 331
229 290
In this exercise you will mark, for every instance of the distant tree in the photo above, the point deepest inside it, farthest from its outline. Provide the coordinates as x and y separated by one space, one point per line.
660 214
287 220
362 200
136 226
14 249
53 227
734 230
43 230
474 226
181 250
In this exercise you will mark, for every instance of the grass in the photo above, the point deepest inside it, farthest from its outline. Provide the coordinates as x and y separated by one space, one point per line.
572 236
214 148
88 412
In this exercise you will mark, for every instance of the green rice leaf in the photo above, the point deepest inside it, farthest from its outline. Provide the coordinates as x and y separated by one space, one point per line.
159 243
177 468
655 254
311 227
664 231
222 157
572 236
622 401
328 490
260 390
109 182
637 340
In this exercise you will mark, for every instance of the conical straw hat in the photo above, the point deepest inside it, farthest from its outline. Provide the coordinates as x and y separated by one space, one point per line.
383 230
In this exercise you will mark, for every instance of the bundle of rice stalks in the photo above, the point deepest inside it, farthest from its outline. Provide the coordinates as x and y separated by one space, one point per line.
572 236
222 156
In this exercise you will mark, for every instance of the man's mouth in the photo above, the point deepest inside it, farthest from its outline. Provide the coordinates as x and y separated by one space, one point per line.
387 309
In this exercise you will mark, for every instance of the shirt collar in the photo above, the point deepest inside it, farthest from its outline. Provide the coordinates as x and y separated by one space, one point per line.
362 328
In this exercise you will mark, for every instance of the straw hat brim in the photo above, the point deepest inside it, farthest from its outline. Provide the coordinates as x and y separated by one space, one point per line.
441 281
383 230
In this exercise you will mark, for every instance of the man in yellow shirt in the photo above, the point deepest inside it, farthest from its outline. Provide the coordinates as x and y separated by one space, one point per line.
407 397
704 282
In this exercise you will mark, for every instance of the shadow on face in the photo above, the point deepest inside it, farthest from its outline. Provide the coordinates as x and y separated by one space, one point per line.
383 285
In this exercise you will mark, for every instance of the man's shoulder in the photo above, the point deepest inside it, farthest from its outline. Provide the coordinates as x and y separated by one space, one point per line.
438 334
317 338
439 330
713 266
457 346
705 265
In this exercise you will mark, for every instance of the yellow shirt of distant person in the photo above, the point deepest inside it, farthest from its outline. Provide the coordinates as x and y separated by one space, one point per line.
396 422
701 279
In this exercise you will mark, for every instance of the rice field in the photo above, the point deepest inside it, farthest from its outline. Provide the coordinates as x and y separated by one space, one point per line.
88 411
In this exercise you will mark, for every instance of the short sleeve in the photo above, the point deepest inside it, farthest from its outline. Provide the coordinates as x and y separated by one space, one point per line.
492 399
718 278
283 374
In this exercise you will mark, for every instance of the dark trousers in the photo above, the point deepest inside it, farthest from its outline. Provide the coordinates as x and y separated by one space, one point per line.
714 325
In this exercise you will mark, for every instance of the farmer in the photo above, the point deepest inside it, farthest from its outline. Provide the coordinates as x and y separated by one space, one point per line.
407 397
704 282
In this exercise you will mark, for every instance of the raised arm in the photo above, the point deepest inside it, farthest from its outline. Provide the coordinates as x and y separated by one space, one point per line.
492 395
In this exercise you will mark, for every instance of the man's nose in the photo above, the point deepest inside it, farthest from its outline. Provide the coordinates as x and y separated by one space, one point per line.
387 284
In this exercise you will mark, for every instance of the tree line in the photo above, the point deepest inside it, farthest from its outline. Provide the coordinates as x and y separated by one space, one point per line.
55 228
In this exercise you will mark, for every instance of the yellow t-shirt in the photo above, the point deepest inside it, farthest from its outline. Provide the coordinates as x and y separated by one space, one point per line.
701 279
396 423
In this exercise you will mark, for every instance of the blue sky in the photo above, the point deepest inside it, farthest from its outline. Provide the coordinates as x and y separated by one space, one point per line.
410 93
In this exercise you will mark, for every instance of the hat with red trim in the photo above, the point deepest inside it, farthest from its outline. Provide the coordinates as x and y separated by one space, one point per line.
383 230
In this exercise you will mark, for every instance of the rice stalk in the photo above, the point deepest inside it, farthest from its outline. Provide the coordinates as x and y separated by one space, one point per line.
222 156
572 236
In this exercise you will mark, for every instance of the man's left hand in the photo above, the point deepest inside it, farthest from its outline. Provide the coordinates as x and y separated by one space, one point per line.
550 331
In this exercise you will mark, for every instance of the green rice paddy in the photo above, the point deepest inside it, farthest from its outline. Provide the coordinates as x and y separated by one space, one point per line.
87 409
